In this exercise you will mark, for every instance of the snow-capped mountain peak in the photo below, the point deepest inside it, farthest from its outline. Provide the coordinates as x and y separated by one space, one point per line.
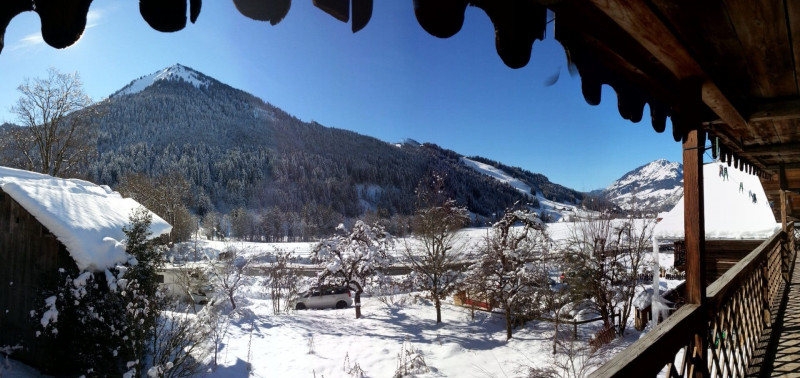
176 72
656 186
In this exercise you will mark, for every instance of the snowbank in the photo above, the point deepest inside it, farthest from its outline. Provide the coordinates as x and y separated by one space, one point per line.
730 210
87 218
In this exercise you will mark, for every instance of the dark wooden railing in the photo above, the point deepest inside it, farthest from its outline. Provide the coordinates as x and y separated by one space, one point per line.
737 313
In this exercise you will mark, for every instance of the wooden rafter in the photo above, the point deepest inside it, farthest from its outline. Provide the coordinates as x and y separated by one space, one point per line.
784 148
639 21
776 110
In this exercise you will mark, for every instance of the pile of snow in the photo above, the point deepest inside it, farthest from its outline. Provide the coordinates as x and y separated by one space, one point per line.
87 218
176 72
730 212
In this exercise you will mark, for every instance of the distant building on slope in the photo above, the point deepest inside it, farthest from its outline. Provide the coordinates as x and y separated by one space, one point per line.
48 223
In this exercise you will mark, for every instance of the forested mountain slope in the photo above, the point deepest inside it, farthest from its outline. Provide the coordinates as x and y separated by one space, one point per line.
239 151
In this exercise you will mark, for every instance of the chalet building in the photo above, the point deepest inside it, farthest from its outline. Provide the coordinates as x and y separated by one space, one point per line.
48 223
726 73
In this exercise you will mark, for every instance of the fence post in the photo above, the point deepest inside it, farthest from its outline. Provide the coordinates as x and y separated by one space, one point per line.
574 329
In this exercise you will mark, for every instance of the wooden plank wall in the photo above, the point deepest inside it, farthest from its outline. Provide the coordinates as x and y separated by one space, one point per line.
29 254
722 255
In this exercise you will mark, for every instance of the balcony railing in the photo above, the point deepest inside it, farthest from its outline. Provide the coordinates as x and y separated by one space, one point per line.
737 313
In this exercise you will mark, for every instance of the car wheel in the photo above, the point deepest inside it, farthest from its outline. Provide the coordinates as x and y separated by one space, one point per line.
300 306
341 304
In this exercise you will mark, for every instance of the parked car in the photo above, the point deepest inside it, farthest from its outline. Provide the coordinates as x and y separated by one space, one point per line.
324 297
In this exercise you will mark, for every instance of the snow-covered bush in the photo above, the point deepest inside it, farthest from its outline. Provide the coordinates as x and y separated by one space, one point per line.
99 323
178 344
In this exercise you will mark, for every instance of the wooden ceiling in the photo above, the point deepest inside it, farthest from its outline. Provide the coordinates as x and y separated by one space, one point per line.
728 66
742 55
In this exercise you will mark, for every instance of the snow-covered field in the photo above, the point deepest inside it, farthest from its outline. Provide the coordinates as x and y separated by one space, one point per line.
328 342
332 343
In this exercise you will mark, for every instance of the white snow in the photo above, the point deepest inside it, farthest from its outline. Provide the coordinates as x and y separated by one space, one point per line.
175 72
87 218
556 211
498 174
729 212
648 186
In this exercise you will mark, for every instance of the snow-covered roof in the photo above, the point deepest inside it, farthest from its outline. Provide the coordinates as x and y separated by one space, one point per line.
87 218
730 212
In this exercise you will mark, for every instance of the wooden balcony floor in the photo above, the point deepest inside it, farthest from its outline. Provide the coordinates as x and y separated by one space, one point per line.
783 357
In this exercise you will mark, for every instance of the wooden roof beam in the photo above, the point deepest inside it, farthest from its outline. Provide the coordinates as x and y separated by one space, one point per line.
783 148
776 110
639 21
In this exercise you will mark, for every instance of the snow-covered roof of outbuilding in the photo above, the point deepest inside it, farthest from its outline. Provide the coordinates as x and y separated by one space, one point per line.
730 212
87 218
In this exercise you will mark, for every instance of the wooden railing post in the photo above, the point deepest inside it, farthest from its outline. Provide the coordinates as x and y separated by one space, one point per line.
765 293
784 226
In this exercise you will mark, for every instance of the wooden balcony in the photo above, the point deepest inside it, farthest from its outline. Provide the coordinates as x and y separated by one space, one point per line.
751 330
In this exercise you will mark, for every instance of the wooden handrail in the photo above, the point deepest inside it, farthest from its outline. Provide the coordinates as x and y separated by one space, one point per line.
734 307
645 357
725 286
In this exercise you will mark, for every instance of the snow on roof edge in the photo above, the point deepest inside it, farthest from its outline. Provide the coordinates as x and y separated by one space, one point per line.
85 217
730 212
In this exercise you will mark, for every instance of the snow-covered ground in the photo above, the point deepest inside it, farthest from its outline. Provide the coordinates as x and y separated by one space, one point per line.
325 342
331 343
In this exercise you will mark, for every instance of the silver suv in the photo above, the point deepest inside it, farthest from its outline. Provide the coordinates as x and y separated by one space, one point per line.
324 297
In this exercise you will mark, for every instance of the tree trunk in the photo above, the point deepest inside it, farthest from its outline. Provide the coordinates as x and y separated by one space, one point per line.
508 322
438 303
555 334
358 304
233 302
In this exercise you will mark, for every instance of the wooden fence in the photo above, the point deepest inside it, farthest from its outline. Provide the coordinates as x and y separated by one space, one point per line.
737 313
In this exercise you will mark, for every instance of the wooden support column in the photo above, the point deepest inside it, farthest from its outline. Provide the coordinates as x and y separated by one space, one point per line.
695 236
694 216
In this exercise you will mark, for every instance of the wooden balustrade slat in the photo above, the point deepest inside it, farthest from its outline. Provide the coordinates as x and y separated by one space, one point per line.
738 308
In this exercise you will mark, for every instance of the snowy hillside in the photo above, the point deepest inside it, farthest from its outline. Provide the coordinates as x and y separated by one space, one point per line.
551 211
656 186
175 72
497 174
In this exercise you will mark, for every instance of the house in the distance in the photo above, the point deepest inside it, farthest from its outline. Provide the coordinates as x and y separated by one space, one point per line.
738 218
47 223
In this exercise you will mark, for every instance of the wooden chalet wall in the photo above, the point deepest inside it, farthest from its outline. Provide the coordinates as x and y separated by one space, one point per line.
722 255
29 257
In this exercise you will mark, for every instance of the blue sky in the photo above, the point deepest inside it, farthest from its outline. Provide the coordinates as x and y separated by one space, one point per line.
391 80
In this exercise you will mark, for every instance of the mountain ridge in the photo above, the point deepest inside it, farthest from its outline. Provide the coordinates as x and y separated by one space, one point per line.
654 187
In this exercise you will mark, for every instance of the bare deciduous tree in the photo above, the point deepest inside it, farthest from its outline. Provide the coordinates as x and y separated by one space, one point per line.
353 259
166 195
434 255
57 136
604 258
506 270
228 272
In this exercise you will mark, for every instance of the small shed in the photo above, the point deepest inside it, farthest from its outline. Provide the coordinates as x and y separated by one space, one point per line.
729 194
47 223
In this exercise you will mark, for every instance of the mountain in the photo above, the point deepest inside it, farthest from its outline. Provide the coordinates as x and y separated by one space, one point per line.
237 151
176 72
653 187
